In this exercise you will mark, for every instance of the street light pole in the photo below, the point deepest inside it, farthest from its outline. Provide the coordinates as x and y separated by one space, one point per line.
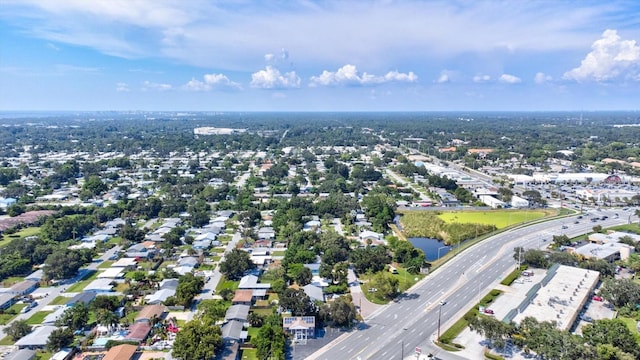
442 303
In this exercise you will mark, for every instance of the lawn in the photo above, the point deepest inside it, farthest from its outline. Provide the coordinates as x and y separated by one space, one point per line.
11 313
105 264
6 341
253 332
249 354
43 355
227 284
278 253
30 231
631 324
37 318
77 287
11 280
499 218
115 240
204 267
60 300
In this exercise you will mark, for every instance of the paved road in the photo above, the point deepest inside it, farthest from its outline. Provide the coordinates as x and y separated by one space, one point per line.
412 321
214 279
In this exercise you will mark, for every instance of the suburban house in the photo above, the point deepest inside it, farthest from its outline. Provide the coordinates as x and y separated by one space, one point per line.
150 312
243 297
167 288
81 298
237 312
121 352
266 233
24 354
139 251
21 288
314 292
100 286
232 332
36 339
6 300
301 327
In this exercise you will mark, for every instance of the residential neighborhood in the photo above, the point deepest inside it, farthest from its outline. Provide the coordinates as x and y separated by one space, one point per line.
203 250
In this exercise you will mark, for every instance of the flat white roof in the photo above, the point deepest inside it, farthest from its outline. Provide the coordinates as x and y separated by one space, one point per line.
562 297
111 273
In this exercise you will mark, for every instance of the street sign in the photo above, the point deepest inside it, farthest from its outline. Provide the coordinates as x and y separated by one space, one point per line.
418 350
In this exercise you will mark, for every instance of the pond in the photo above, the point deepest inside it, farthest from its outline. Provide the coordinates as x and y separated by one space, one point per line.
430 247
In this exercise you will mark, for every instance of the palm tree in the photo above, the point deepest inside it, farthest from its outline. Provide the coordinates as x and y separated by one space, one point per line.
106 318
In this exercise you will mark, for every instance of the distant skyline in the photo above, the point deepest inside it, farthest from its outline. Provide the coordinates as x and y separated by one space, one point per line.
201 55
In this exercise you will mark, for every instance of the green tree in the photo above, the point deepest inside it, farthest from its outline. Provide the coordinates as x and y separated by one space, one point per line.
298 302
611 331
188 287
197 339
212 309
94 186
340 312
386 285
59 338
270 342
75 317
621 292
235 264
64 263
17 329
304 276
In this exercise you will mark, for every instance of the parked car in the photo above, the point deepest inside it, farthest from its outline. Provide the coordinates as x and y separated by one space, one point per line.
488 311
597 298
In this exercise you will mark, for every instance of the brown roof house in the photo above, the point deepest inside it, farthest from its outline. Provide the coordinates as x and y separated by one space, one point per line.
151 311
243 297
121 352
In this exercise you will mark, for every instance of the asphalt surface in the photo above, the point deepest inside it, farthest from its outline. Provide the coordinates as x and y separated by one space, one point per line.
398 329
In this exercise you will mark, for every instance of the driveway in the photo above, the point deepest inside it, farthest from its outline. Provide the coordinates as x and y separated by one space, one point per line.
367 308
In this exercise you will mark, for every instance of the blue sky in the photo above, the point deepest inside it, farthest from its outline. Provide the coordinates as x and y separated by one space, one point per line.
342 55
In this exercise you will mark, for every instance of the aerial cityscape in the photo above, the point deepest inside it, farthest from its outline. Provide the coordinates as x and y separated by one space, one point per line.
319 180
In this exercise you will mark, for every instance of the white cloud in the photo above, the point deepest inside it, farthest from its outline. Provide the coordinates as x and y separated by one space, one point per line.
122 87
509 79
480 78
610 58
269 57
542 78
223 35
148 85
446 76
53 47
212 82
271 78
349 75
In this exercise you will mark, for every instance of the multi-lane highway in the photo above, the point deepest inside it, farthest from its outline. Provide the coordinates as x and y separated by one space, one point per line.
400 327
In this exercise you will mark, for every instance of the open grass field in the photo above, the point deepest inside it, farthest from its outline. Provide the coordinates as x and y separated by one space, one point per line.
30 231
499 218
